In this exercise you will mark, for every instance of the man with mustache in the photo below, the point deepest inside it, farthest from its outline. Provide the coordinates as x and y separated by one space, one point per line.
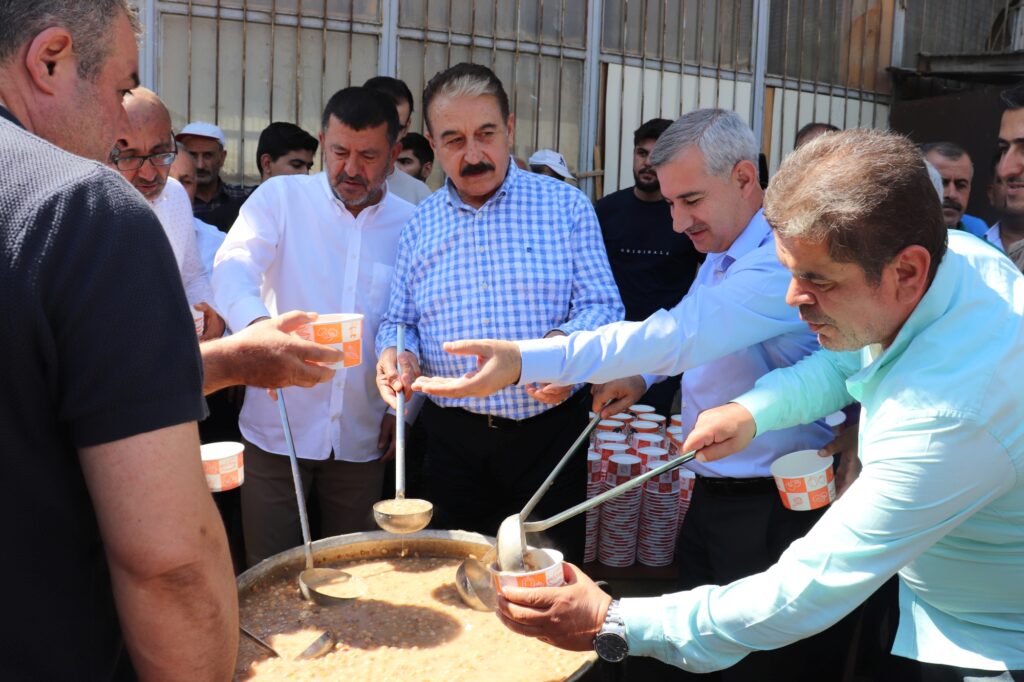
957 170
653 265
496 252
732 328
324 242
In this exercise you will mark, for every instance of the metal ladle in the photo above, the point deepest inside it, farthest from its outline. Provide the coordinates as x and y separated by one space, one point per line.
314 582
320 646
401 515
510 554
512 532
473 582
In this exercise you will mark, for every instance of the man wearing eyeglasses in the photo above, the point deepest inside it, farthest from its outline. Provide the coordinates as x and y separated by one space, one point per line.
143 155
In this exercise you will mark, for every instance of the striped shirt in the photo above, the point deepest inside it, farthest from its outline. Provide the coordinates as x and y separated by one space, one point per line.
529 261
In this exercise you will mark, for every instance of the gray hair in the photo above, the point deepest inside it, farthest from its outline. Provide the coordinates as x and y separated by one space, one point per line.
461 80
722 137
88 21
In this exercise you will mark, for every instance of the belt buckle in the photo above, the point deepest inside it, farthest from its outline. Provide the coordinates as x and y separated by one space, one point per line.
490 422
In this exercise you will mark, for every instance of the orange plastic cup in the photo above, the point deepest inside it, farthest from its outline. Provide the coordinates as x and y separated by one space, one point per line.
343 331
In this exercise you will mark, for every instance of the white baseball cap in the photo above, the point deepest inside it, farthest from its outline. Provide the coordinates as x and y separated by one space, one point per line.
201 129
551 159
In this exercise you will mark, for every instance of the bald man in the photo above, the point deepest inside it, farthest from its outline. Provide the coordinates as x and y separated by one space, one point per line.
143 155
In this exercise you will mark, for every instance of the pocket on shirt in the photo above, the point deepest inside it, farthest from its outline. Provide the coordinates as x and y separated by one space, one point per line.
380 288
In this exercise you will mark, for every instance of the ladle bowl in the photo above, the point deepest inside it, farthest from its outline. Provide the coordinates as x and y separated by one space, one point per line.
329 586
473 582
403 515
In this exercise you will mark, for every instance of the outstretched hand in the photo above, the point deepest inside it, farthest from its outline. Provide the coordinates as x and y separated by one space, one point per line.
499 364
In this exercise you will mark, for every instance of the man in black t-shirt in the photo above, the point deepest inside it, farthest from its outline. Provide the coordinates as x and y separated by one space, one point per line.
653 265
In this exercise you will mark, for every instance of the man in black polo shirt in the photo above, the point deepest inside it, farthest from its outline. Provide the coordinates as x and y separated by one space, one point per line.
653 266
113 539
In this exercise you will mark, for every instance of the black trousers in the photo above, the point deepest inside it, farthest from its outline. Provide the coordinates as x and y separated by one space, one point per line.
477 474
731 533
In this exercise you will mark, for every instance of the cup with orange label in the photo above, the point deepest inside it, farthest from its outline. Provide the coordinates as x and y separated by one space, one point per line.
543 569
343 331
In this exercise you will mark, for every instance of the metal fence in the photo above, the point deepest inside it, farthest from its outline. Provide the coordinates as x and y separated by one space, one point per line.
581 74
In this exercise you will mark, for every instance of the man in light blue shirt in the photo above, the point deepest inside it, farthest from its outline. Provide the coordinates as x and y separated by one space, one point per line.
937 345
731 328
503 253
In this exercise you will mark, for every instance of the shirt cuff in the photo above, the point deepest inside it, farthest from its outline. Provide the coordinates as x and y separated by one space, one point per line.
651 379
244 311
542 359
762 405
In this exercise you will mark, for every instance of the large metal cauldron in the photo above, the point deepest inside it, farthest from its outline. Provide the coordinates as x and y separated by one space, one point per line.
454 544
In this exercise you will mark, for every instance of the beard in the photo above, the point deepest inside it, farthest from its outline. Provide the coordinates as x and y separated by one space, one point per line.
646 185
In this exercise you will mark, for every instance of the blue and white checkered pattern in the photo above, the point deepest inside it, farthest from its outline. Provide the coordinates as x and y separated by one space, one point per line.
530 260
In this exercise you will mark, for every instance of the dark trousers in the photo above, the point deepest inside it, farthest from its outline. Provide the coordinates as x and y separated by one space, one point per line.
345 493
477 475
733 533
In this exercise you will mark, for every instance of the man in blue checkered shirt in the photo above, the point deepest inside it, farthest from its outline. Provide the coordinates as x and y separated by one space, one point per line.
496 253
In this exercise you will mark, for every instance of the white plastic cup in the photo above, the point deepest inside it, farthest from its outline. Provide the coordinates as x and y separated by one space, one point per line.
805 480
343 331
223 465
547 574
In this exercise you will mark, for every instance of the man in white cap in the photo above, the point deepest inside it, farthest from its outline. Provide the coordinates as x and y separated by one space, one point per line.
551 163
216 202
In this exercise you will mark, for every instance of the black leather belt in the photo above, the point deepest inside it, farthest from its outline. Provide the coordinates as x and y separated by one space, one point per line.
737 486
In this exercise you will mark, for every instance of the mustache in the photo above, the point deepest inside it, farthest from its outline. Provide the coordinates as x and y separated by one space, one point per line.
345 177
951 203
476 169
807 314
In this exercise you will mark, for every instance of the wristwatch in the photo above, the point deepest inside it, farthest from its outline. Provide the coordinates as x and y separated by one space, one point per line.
610 643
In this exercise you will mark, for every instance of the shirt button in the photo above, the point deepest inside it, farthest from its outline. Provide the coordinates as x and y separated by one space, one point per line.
481 249
485 285
486 320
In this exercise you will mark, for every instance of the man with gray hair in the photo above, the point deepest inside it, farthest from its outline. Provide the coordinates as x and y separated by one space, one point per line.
730 329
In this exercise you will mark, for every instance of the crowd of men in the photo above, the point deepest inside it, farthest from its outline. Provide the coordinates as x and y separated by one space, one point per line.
856 278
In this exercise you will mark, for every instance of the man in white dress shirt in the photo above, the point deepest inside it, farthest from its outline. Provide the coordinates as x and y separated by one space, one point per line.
143 155
325 243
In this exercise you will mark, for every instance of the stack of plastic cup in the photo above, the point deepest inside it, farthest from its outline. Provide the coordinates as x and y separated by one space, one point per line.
595 484
674 420
687 479
659 519
626 418
620 516
674 436
641 411
609 437
606 426
659 420
639 441
652 456
608 449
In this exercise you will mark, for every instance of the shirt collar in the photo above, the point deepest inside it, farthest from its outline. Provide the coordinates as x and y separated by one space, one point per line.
511 177
755 235
6 114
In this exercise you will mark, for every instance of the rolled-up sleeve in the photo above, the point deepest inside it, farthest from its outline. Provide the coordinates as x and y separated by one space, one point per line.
915 487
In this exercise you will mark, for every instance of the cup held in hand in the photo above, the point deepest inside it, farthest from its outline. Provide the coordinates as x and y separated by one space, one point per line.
343 331
805 480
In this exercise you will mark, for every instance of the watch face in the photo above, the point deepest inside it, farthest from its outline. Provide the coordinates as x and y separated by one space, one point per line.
611 647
